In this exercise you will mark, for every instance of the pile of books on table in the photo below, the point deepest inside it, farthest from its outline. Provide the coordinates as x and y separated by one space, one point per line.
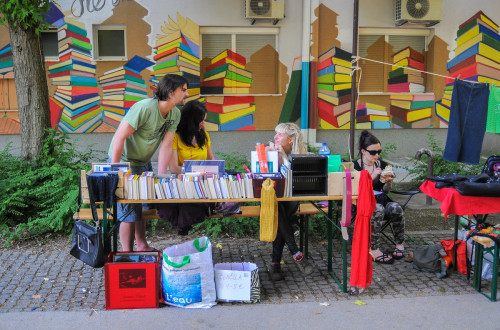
193 185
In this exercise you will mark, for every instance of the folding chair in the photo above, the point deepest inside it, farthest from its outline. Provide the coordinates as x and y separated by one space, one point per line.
388 223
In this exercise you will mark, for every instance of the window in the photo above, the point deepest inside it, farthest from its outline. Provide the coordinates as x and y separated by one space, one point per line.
109 42
380 45
247 42
49 44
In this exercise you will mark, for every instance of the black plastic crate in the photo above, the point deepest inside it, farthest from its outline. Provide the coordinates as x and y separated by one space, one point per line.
309 175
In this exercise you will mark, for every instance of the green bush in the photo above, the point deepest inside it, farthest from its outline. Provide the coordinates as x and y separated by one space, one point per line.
40 196
417 169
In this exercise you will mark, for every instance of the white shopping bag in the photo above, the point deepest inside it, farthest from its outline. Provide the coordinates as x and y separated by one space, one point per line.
188 274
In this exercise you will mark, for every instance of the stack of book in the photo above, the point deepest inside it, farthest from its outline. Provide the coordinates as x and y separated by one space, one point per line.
122 87
372 116
442 107
75 78
411 111
227 75
194 185
477 57
402 79
6 69
177 54
334 88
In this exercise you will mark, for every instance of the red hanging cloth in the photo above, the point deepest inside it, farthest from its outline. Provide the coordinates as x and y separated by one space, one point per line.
361 260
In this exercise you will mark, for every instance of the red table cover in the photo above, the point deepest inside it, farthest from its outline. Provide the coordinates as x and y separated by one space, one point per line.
452 202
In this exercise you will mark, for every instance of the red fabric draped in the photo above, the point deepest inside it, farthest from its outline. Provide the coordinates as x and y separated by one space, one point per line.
361 260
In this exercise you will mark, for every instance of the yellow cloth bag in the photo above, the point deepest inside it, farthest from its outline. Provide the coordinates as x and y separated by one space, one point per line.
268 211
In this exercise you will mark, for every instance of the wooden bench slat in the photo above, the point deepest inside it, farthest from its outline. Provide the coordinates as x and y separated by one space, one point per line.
246 211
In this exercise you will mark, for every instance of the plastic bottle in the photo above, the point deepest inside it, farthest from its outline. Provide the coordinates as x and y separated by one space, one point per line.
324 150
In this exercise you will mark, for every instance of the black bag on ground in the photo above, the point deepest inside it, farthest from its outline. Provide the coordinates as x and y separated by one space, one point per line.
428 258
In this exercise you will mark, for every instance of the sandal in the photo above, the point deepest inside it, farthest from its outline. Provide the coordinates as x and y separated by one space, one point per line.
398 254
384 259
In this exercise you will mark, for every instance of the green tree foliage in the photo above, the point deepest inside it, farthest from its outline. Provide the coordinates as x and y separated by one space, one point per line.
29 14
40 195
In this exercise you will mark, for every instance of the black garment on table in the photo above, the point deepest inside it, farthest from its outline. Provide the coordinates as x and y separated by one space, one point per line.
469 185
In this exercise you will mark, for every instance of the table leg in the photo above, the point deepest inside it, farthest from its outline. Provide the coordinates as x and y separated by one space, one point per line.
306 235
494 279
329 229
115 230
301 233
455 237
478 266
105 228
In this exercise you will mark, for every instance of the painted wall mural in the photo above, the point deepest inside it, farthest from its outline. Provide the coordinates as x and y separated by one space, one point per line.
88 95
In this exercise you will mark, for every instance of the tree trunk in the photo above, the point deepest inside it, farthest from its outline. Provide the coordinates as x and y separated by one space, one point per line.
31 88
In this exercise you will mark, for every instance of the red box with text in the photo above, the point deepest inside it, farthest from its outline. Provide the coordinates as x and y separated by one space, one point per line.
132 280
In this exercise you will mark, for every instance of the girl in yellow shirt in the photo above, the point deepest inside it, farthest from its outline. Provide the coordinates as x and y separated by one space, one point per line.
190 142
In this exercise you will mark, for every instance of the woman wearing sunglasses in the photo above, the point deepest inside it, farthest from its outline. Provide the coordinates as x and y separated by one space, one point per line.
386 209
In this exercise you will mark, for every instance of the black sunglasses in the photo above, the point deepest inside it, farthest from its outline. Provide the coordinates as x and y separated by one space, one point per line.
374 152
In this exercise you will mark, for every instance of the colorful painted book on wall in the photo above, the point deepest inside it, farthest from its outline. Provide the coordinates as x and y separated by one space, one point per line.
226 75
121 88
178 52
74 76
477 58
6 69
402 78
372 116
334 88
411 111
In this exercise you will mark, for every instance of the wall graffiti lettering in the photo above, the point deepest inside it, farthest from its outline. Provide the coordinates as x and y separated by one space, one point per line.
78 6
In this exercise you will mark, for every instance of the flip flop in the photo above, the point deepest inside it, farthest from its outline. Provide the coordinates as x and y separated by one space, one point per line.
398 254
384 259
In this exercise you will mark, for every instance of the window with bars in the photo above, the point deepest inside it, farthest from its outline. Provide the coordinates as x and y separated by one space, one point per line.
380 45
246 42
49 44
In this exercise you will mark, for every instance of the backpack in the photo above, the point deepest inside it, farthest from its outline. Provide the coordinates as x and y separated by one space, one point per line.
428 258
492 166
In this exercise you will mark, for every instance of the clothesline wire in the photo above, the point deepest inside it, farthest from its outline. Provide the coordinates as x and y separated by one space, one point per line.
357 58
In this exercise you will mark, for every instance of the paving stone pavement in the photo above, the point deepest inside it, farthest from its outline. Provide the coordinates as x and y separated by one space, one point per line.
56 281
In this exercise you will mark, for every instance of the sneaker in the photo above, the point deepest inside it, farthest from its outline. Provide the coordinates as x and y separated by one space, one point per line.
305 267
275 272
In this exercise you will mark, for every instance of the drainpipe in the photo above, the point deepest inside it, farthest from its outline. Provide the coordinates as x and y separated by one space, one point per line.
430 167
306 36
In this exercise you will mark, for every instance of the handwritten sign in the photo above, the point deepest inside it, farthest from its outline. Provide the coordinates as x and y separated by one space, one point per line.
233 281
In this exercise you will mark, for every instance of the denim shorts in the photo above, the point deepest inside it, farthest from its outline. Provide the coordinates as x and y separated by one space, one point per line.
133 212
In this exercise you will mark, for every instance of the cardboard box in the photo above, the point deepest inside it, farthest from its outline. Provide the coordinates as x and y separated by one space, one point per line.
259 178
132 280
237 282
336 183
272 161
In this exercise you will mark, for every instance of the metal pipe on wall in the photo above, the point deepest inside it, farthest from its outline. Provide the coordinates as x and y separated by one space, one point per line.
352 126
306 36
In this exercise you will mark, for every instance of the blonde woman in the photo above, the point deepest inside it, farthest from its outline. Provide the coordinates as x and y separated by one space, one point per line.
287 141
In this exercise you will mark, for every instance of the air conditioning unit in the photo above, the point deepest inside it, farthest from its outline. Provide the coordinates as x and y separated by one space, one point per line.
424 12
268 9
